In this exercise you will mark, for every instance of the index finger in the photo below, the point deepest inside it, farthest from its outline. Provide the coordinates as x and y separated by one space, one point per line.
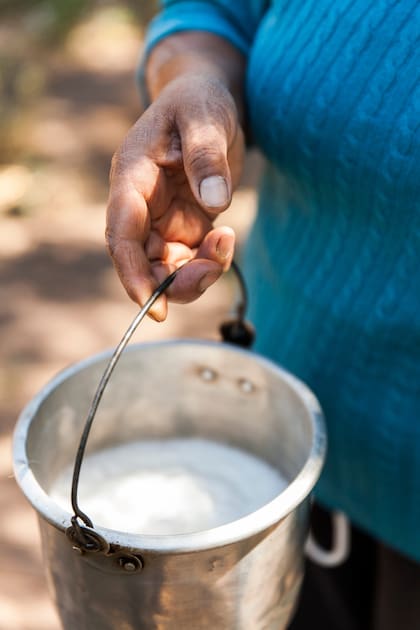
128 225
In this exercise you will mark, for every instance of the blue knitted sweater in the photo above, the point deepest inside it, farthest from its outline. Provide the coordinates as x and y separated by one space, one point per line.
333 260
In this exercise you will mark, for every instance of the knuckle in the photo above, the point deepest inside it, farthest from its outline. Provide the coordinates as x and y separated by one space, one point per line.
118 167
202 159
111 241
227 119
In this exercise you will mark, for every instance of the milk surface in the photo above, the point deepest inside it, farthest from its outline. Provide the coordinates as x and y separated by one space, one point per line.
175 486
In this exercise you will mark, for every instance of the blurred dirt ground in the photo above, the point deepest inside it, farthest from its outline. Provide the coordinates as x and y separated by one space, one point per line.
64 109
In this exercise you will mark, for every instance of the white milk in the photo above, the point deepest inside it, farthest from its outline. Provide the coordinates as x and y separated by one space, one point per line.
175 486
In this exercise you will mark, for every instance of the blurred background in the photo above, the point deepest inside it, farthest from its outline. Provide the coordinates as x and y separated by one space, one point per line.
67 98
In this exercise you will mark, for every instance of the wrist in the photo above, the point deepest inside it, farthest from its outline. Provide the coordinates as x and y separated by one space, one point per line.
197 57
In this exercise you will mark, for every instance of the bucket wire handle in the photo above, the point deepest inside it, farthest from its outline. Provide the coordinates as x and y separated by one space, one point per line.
236 331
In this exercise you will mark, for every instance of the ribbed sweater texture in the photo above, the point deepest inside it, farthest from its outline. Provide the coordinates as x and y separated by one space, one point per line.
333 259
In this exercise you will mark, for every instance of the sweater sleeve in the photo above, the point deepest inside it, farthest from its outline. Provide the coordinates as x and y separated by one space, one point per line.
235 20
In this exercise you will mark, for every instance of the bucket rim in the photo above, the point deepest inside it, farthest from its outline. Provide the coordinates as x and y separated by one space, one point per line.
252 524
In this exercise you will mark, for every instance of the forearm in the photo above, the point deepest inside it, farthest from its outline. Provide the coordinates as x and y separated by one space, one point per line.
197 53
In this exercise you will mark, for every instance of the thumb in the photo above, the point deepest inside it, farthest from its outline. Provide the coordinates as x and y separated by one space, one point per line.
204 152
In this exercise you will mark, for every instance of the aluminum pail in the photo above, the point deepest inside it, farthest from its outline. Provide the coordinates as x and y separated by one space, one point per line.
244 575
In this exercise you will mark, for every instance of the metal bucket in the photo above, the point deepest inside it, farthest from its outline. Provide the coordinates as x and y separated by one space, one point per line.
241 576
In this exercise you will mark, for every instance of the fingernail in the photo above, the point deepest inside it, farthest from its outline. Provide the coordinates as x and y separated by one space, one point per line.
158 311
224 247
207 280
214 191
154 317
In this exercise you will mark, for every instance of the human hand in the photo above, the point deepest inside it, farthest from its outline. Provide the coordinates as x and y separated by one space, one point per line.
171 177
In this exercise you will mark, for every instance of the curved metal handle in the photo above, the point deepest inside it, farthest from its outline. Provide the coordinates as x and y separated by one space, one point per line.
235 331
99 392
340 548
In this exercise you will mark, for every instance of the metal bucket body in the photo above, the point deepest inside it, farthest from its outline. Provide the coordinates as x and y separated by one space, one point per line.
241 576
